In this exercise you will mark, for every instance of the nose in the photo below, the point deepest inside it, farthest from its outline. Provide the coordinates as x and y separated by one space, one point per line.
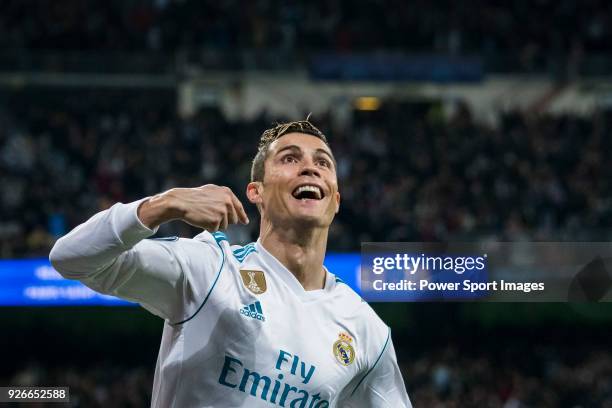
309 170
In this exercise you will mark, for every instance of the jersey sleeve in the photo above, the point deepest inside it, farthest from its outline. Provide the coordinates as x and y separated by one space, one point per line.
109 254
381 386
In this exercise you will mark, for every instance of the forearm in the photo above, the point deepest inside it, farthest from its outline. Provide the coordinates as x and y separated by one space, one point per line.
159 209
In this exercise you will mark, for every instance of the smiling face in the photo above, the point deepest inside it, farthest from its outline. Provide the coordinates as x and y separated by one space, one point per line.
299 184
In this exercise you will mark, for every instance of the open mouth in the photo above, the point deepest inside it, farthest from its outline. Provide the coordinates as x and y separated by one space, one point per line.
308 192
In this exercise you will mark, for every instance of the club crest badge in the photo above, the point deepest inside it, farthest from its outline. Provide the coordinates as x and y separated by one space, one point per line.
255 281
343 349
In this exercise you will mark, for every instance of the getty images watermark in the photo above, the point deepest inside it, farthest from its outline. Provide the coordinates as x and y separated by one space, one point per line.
491 271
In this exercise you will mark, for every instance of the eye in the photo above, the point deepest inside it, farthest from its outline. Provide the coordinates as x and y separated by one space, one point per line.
324 163
289 159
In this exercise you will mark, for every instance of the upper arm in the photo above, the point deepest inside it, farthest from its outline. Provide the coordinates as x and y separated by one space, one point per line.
168 278
381 386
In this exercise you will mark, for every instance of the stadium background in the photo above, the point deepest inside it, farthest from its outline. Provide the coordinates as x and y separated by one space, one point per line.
472 120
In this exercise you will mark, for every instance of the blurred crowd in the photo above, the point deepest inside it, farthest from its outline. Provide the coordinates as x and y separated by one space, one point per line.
509 377
403 177
550 27
543 376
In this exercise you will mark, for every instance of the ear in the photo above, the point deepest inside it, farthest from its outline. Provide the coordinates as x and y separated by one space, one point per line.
254 191
337 197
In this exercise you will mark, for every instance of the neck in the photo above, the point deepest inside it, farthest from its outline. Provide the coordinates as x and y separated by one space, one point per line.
302 252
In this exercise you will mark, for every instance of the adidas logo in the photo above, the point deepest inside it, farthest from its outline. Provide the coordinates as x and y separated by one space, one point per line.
253 310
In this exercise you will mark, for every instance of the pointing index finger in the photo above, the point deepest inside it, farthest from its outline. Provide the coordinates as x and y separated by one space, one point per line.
240 210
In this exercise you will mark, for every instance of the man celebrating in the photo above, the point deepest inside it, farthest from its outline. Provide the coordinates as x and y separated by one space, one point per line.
260 325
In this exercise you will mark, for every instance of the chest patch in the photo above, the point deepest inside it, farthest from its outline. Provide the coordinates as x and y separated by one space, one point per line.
343 349
253 280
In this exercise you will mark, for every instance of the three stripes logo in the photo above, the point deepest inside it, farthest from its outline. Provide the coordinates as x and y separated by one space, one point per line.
253 310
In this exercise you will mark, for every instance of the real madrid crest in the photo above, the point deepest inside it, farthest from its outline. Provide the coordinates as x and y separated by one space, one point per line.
343 349
255 281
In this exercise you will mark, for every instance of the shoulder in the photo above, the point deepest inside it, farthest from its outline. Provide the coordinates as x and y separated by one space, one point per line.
204 243
232 253
215 239
201 251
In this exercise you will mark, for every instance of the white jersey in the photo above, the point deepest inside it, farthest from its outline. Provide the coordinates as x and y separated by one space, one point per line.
240 330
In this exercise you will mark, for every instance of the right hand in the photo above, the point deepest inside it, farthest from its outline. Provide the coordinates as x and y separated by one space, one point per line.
210 207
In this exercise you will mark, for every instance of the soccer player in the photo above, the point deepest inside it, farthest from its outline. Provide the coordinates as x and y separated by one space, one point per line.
260 325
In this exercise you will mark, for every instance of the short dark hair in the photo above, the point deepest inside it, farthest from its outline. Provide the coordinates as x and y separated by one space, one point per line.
272 134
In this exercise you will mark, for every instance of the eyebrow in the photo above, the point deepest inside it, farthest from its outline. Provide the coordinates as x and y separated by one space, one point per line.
296 147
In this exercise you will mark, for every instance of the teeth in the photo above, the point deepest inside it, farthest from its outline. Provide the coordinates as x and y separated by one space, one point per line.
313 189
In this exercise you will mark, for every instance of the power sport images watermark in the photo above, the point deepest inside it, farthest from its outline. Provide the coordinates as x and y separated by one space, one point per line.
489 272
429 266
